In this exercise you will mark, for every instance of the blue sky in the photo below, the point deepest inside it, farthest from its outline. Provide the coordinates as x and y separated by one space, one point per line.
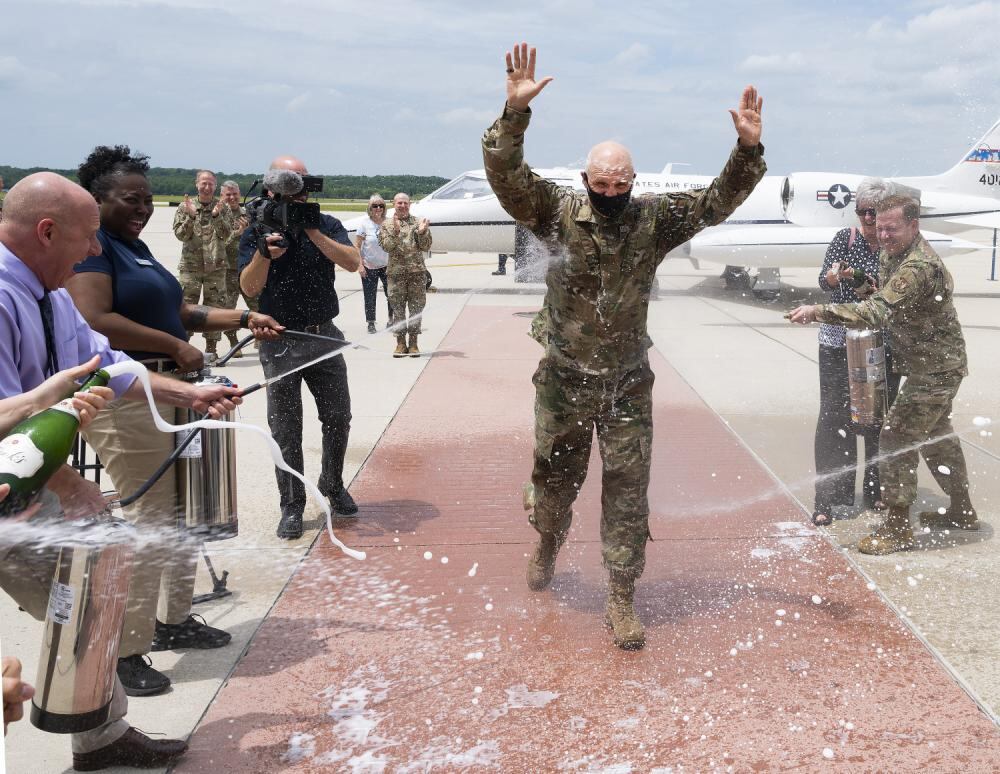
354 88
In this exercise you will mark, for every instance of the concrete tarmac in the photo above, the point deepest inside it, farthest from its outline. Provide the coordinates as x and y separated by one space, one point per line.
739 360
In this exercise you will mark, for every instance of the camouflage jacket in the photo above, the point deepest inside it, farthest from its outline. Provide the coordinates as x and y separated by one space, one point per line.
204 236
233 240
915 306
406 249
600 270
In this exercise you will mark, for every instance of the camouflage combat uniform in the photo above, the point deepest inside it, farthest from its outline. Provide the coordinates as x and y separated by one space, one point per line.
915 306
233 289
406 272
203 255
595 371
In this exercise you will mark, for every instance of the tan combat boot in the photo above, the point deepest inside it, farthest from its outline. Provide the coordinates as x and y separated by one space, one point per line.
400 345
413 350
893 534
962 516
542 564
620 613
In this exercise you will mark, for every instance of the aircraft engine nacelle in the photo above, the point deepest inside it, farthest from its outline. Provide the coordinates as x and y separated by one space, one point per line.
820 199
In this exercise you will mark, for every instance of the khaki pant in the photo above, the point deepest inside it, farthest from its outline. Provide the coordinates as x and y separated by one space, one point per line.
194 279
26 573
407 298
131 448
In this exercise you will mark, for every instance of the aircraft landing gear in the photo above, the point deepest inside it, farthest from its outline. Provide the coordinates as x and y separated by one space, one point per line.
738 278
768 285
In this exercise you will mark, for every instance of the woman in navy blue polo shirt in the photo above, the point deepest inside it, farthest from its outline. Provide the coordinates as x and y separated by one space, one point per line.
127 295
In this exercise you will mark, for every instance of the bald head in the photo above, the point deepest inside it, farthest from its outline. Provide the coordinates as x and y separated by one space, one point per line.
51 224
610 158
289 162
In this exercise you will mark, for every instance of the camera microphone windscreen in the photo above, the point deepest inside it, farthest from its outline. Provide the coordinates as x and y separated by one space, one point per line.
283 182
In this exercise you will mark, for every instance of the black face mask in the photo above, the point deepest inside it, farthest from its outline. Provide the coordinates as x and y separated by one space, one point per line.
608 206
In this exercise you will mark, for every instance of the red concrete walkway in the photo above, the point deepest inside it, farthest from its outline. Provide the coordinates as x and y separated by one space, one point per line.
765 651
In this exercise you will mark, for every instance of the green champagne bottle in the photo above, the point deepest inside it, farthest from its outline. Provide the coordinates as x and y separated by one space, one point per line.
37 447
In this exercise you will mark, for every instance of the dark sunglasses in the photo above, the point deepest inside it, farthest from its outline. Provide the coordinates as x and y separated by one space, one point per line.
865 213
378 206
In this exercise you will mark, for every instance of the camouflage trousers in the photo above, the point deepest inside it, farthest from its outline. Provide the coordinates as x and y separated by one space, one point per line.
195 278
407 298
919 425
569 405
233 290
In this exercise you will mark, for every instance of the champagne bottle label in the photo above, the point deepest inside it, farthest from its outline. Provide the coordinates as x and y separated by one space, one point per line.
67 407
19 456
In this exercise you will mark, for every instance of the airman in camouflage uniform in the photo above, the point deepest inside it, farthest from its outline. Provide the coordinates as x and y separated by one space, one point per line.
595 371
915 306
203 227
230 195
406 239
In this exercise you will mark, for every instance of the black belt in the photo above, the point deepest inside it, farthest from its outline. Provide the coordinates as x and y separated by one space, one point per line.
315 328
159 366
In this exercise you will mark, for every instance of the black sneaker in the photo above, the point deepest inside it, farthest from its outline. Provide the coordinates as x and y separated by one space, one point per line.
290 526
371 327
139 678
190 634
343 504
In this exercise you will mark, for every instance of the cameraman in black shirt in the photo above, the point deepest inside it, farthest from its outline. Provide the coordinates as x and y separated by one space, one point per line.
294 280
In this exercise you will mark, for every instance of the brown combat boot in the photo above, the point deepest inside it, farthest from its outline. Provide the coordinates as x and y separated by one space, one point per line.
620 613
400 346
962 516
413 350
893 534
542 564
233 341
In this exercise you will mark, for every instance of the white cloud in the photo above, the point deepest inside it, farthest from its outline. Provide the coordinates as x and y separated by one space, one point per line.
635 54
790 63
467 115
298 102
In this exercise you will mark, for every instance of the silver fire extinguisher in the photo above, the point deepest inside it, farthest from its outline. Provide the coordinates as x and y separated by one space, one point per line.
867 377
206 474
83 627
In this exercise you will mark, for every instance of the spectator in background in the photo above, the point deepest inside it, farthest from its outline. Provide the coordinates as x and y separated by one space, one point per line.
200 225
373 260
230 196
406 240
836 447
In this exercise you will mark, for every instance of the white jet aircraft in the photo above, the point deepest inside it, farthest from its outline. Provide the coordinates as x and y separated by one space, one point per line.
787 221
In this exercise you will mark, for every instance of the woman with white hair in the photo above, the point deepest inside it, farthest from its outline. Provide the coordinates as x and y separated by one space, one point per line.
374 260
836 448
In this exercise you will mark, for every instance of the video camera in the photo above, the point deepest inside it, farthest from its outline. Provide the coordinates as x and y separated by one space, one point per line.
280 212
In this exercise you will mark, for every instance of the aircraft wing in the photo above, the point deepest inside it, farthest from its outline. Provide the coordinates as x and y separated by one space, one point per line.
983 220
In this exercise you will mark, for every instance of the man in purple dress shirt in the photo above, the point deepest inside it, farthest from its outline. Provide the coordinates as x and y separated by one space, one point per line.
49 224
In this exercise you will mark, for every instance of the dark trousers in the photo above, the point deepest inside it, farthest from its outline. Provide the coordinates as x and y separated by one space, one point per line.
327 381
369 286
836 447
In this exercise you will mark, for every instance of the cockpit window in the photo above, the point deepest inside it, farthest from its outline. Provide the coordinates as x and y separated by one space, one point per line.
465 187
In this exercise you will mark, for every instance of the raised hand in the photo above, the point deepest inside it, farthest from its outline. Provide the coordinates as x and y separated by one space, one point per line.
521 84
189 205
747 118
423 226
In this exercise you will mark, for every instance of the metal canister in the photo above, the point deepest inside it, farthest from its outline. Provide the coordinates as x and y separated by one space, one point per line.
83 627
206 475
867 377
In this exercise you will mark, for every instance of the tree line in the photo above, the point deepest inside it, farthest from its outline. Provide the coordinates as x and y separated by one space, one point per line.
173 181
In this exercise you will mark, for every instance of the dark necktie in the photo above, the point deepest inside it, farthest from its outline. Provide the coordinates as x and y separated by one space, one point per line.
48 326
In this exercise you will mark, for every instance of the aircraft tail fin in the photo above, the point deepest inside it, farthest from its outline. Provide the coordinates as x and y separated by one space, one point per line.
978 172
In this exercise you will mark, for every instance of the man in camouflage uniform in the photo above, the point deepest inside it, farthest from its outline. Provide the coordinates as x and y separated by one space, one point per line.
229 193
203 226
406 240
915 306
595 371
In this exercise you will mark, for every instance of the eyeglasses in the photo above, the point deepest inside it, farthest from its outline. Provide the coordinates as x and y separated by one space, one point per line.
868 212
378 206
